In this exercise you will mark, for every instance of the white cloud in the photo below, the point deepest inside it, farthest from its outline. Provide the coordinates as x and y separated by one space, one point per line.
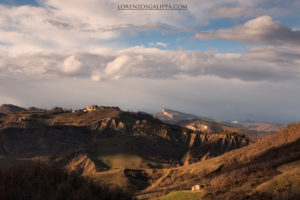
159 44
28 28
71 66
116 66
95 76
262 30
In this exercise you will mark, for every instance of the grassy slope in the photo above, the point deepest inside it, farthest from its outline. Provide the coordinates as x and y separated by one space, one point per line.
129 179
117 153
112 177
289 180
180 195
248 169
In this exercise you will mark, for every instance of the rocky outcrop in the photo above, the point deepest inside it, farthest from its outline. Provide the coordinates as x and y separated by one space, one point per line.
205 146
81 164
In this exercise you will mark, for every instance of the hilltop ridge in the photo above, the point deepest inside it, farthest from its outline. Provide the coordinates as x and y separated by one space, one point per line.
9 108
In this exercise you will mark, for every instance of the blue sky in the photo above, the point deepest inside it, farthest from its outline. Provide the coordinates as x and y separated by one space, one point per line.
282 11
229 60
20 2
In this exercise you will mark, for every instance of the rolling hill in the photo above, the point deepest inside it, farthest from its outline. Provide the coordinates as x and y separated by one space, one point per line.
153 159
110 137
267 169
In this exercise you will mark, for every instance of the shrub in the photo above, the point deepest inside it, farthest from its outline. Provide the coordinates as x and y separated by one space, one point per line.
47 181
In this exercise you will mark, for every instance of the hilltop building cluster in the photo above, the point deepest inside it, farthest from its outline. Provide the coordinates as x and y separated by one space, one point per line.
94 108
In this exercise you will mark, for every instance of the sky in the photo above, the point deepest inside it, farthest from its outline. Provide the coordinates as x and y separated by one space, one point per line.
227 60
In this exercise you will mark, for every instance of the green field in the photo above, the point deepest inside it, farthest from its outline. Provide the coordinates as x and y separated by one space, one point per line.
117 153
180 195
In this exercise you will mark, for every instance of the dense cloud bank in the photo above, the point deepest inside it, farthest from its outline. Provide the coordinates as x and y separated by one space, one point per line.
259 64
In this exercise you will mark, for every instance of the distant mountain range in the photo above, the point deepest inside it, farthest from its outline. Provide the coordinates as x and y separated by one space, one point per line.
204 124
